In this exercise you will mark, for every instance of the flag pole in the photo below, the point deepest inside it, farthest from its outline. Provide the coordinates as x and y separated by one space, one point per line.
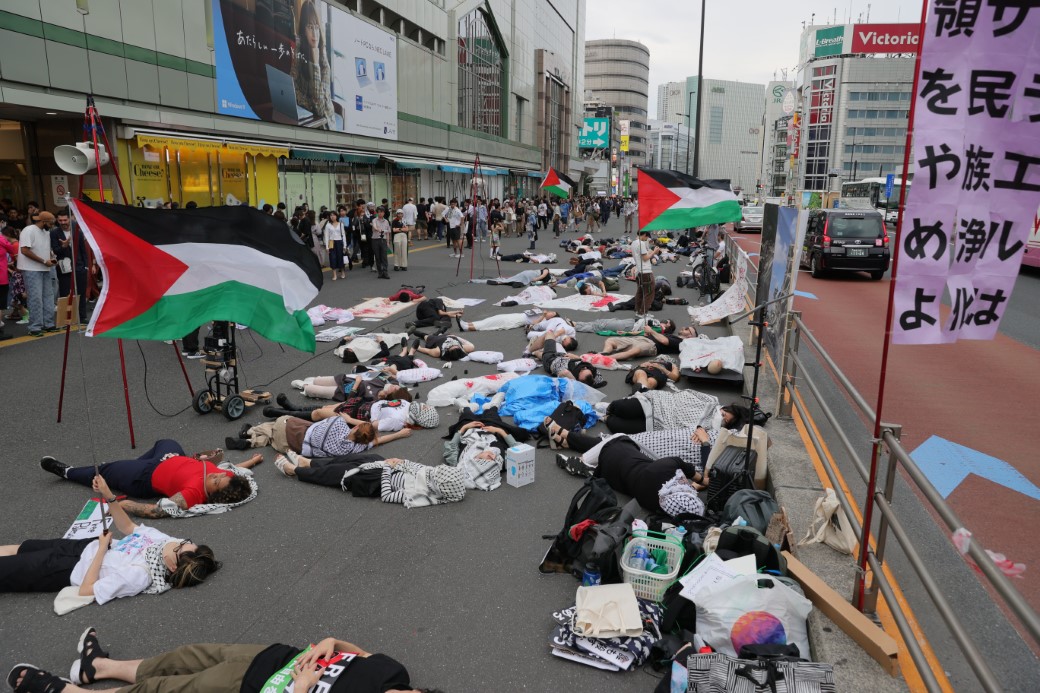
868 510
472 212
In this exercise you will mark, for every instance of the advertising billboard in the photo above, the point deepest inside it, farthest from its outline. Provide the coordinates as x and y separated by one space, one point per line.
886 38
595 133
830 41
305 63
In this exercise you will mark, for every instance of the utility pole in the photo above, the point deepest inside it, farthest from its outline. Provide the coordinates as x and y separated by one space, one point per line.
700 98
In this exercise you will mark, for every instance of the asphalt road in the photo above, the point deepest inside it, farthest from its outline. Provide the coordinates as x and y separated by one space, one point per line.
451 591
950 392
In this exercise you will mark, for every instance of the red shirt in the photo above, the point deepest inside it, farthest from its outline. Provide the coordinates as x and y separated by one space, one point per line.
186 476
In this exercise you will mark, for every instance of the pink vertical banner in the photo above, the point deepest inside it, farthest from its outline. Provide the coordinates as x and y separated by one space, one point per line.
976 157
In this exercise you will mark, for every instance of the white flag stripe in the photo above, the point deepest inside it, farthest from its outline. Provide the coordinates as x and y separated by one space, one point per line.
210 264
701 197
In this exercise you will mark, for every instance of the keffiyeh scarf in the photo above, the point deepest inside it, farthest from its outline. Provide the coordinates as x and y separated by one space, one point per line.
677 496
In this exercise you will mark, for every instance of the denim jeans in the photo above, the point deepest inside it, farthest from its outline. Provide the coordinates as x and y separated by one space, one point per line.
40 287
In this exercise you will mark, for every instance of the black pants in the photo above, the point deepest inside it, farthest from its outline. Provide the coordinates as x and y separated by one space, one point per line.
190 341
133 477
581 442
379 256
65 285
514 257
625 416
41 565
427 314
329 471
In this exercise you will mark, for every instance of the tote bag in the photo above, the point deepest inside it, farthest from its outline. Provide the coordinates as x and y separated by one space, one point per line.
752 610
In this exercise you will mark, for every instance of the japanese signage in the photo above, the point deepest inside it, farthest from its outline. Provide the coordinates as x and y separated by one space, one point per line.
625 129
830 41
595 133
885 38
821 97
977 158
305 63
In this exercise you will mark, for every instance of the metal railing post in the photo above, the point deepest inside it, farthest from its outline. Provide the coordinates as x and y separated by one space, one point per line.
871 594
789 375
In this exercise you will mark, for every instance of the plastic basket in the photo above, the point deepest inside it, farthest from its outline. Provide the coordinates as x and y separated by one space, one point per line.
645 584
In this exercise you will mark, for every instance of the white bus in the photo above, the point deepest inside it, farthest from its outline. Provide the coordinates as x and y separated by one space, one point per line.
869 193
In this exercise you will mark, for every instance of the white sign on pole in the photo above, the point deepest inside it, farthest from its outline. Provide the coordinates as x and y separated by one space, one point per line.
59 188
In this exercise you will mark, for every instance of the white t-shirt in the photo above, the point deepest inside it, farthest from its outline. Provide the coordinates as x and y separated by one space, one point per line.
454 217
542 209
410 212
124 570
334 232
38 241
388 419
640 248
553 324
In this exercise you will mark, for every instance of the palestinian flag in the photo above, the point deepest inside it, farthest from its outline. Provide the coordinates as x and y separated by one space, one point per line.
167 272
558 184
673 200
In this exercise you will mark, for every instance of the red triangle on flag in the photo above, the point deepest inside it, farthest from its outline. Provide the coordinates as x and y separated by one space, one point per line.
654 199
137 273
551 179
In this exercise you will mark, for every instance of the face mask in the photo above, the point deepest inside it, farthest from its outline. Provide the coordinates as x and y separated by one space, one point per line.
716 420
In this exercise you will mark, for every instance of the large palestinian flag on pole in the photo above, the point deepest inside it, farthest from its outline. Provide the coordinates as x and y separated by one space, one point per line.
167 272
557 183
673 200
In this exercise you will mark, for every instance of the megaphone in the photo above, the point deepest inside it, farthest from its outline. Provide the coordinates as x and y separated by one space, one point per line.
80 158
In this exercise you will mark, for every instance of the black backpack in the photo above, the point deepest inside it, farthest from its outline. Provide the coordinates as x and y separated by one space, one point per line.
596 501
742 541
756 507
730 473
568 416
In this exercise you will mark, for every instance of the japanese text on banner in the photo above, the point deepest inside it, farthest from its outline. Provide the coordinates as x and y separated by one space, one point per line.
977 162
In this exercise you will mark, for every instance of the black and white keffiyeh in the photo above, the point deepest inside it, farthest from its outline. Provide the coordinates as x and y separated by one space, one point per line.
638 647
677 496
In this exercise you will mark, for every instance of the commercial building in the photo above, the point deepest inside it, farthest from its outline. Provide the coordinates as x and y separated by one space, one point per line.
779 106
854 84
260 101
671 104
617 74
730 130
670 146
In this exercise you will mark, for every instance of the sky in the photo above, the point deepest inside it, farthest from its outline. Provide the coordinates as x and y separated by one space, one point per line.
745 40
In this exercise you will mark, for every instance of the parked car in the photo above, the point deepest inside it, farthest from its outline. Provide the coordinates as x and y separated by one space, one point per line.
846 240
751 219
891 216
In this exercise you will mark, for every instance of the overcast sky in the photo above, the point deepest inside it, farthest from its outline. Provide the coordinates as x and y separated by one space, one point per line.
746 40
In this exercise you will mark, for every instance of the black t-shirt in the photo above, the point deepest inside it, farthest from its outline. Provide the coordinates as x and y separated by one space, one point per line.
397 226
421 211
376 673
672 347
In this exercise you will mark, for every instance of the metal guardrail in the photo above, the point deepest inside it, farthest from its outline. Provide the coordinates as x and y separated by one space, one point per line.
793 375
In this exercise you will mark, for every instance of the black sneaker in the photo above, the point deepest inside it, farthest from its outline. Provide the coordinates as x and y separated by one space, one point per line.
573 466
243 432
236 444
49 464
458 321
283 401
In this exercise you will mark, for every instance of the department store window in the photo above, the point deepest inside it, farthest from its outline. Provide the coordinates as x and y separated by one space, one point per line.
715 125
481 70
519 135
554 118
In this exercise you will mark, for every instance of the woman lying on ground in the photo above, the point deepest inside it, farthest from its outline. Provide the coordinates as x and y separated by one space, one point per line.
629 415
336 434
666 484
653 374
165 471
448 347
525 278
145 560
691 447
370 386
331 665
506 321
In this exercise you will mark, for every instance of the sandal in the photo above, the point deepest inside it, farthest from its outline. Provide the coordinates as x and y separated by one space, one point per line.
89 649
34 680
556 436
286 467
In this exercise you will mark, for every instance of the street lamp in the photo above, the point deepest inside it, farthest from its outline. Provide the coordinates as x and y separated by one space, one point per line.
688 131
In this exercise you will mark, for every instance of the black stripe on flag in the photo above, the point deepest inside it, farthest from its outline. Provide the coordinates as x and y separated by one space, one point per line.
678 179
242 225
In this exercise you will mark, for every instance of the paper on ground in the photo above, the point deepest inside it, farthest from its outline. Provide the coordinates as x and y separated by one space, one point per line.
713 570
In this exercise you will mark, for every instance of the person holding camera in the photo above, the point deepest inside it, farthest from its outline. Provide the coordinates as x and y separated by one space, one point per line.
642 258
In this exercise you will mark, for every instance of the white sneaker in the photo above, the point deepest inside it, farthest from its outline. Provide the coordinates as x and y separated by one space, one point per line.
298 384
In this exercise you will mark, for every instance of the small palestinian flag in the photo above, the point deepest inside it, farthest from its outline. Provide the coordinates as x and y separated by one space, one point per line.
673 200
558 184
167 272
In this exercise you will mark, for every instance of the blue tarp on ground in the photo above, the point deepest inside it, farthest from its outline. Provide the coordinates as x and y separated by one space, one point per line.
531 398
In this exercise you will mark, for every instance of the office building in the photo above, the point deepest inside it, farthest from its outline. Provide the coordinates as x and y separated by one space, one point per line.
854 103
316 101
730 130
779 106
671 104
669 146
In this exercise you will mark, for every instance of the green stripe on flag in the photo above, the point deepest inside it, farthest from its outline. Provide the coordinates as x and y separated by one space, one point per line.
174 316
688 217
559 192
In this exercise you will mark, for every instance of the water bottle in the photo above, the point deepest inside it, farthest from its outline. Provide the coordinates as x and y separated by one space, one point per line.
639 557
677 533
591 576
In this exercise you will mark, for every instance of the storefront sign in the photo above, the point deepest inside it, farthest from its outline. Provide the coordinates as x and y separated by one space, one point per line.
595 133
624 143
309 64
59 188
970 211
830 41
885 38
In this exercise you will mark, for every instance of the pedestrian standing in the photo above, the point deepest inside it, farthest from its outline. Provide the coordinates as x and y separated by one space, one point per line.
36 262
509 217
380 236
410 213
437 211
453 218
496 235
543 214
642 258
482 220
401 240
630 210
336 240
532 226
422 220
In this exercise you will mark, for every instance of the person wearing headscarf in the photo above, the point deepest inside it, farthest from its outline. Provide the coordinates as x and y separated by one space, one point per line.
416 485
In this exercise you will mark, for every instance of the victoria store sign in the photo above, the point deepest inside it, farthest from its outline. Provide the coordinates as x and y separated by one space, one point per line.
885 38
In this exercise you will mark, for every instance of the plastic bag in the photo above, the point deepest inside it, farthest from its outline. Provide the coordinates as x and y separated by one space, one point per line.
752 610
830 526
